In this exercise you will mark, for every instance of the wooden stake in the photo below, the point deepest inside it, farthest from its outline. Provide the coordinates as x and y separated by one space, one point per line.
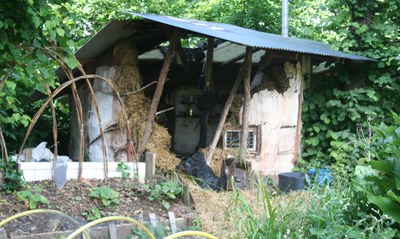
150 166
226 111
246 106
158 92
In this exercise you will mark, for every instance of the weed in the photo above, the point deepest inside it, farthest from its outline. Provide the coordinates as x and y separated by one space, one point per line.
32 199
164 192
124 169
107 195
92 214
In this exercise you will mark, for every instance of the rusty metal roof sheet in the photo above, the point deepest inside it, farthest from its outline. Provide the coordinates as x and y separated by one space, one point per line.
250 37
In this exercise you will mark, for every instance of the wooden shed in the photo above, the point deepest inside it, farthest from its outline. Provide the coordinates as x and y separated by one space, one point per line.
205 65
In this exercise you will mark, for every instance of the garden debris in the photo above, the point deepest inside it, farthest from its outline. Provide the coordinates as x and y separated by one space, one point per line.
196 166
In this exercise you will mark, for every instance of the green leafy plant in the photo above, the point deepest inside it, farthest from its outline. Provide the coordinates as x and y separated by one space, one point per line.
12 178
32 199
107 195
381 181
92 214
164 192
124 169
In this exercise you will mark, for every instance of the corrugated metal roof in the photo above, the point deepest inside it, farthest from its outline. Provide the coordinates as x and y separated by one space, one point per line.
250 37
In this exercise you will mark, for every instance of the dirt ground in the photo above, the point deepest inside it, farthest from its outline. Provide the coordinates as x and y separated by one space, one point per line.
74 199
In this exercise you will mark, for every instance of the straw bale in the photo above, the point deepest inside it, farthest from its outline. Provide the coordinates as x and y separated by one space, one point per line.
137 107
128 77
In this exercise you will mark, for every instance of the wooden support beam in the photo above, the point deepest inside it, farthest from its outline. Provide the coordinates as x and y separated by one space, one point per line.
299 122
225 112
209 86
246 106
150 166
159 89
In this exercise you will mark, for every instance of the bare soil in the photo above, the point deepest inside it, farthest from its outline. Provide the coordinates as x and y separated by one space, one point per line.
74 199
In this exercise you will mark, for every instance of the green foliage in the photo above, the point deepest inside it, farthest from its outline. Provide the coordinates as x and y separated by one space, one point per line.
382 182
124 169
343 210
12 178
92 214
164 192
108 196
32 199
270 219
332 119
159 231
320 212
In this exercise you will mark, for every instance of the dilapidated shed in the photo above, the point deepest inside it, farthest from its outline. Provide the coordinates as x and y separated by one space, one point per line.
252 79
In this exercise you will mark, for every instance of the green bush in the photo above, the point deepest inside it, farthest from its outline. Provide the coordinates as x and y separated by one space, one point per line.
381 179
12 178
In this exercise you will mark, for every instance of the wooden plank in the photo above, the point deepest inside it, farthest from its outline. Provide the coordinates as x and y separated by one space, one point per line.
112 230
246 106
172 222
150 166
153 219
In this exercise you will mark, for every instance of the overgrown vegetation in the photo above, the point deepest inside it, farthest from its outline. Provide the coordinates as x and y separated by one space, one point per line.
338 211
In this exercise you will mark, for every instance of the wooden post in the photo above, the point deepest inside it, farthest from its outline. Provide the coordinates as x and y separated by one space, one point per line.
150 166
158 92
28 154
226 111
246 106
298 126
186 195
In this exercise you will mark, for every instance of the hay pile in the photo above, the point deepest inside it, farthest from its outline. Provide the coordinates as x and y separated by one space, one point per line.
233 119
215 210
128 77
127 80
137 107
